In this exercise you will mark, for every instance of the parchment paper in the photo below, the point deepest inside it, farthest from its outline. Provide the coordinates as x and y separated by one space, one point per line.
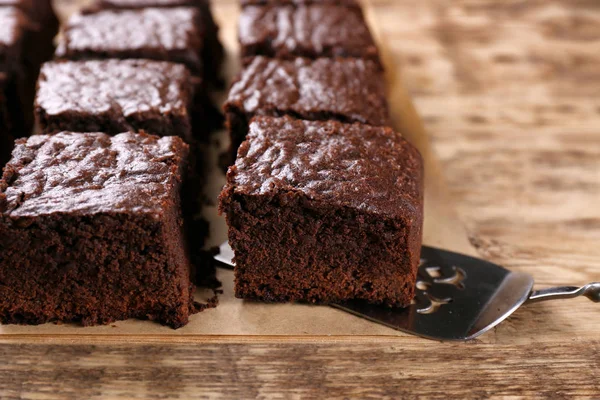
238 318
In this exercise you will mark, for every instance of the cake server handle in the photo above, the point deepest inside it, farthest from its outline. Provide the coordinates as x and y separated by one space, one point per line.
591 291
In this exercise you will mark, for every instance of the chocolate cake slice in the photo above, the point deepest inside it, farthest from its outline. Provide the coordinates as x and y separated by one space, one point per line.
323 211
313 31
114 96
161 34
22 50
213 52
91 230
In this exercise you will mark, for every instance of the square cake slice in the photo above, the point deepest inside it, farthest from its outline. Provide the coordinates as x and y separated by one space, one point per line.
163 34
322 211
318 30
114 96
91 230
346 90
40 11
44 28
21 54
213 52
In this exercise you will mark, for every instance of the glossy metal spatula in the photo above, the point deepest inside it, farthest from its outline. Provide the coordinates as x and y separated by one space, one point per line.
457 297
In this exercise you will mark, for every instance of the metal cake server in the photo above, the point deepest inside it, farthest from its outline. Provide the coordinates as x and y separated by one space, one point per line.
457 297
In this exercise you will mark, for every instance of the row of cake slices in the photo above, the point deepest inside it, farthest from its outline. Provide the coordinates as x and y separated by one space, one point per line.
179 35
97 225
325 206
324 201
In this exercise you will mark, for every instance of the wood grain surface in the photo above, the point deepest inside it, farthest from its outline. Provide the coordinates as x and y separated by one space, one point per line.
509 91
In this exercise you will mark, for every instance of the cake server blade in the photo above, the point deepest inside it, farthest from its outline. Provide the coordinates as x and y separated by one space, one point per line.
458 297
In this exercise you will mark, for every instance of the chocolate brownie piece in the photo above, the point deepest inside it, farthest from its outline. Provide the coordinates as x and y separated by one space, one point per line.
21 52
91 230
114 96
45 25
40 11
347 90
305 31
13 29
322 211
212 53
163 34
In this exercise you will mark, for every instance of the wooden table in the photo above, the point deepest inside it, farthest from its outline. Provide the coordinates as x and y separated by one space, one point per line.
509 91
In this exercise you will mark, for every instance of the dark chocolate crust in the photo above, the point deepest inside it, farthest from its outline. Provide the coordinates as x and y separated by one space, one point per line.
114 96
346 90
311 31
322 211
91 230
163 34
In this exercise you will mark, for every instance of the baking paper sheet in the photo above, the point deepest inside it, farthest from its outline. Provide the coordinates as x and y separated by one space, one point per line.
239 318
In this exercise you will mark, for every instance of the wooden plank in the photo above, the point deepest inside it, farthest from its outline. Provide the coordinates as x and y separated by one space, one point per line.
508 91
301 370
